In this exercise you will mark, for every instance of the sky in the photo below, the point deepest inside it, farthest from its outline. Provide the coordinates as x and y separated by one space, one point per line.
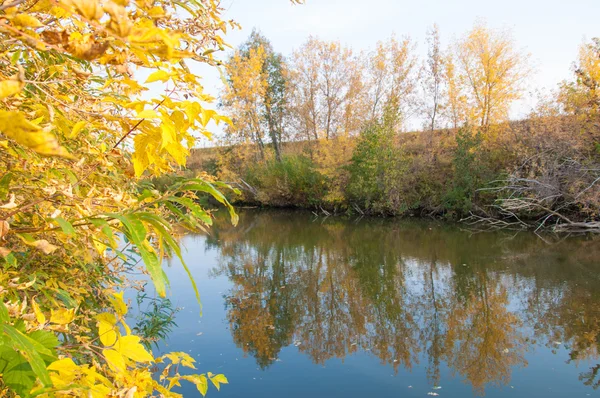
549 30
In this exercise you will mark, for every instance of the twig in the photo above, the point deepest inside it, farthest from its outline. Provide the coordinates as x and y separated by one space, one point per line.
13 4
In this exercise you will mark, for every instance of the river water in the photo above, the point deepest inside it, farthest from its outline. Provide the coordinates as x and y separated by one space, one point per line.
298 306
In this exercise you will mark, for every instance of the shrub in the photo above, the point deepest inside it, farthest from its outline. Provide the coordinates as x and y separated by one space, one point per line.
293 181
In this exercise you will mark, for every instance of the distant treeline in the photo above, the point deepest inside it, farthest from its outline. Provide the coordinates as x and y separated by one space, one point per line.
325 129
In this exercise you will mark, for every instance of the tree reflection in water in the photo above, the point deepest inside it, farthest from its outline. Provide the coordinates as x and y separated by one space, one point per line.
408 291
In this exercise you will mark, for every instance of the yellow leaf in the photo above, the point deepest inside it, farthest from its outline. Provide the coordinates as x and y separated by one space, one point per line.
106 329
66 367
26 20
62 316
158 75
118 303
206 115
114 360
130 347
9 87
107 317
217 380
156 12
148 114
14 125
91 9
39 315
76 129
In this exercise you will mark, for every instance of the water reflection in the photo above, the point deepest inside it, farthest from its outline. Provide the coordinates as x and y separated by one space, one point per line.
407 292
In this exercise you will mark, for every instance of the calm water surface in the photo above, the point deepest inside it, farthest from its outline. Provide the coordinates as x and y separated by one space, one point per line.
295 306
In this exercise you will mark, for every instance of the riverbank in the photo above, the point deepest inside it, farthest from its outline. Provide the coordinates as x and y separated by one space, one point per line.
540 172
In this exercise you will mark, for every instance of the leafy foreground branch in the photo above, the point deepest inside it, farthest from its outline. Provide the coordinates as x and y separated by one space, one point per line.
76 133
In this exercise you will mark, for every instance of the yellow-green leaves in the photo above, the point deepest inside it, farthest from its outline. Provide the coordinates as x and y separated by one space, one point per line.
201 381
114 359
217 380
32 350
77 128
26 20
14 125
118 304
69 88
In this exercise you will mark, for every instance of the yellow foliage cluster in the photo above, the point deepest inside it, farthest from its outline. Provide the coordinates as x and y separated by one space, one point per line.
78 125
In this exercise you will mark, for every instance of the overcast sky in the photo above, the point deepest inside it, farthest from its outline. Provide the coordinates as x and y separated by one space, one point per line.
550 30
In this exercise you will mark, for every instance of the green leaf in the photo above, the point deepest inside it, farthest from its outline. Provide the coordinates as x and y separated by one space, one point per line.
203 186
136 233
219 379
160 225
135 230
195 208
16 371
27 346
4 318
4 183
11 261
66 226
200 381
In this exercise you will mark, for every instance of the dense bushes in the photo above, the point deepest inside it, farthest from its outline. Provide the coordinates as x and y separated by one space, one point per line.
293 181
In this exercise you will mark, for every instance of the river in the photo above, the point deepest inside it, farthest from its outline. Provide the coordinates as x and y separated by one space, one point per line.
299 306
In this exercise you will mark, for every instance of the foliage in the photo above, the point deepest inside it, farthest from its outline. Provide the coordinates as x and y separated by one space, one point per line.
255 94
433 80
492 71
77 130
372 161
156 321
292 181
583 95
325 93
467 171
336 101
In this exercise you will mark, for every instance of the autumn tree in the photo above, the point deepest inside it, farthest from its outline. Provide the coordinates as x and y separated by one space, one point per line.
493 71
456 110
325 79
243 97
255 94
392 79
582 96
433 80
